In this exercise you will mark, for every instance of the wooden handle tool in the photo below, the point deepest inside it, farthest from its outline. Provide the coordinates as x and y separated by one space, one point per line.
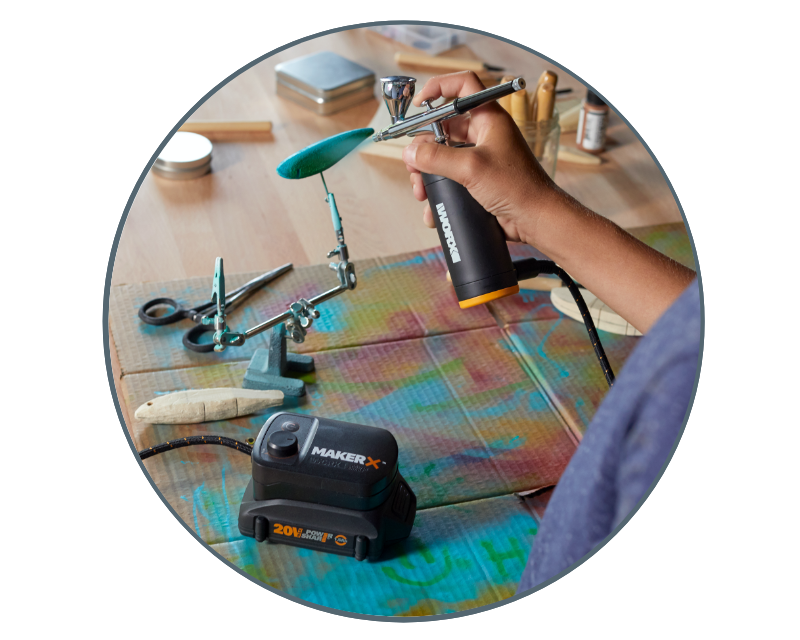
547 76
424 61
519 106
545 101
207 127
505 101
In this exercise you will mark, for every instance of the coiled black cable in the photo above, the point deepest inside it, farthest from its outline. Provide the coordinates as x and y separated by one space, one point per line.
191 440
531 267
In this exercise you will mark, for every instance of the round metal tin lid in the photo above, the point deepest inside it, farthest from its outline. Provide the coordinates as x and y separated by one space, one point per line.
185 151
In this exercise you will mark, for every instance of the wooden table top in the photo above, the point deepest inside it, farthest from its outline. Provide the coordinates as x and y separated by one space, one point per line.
244 212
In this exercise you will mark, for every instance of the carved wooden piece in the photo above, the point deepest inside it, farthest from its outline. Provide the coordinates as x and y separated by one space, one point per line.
206 405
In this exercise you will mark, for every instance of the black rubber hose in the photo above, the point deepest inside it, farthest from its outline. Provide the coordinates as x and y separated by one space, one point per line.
531 267
192 440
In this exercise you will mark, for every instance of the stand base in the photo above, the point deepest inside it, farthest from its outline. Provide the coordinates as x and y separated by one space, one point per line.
268 367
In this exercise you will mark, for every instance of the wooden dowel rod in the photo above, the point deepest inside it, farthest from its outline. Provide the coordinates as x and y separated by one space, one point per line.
241 126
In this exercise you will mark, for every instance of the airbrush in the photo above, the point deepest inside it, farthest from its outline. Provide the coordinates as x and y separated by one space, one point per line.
472 240
474 244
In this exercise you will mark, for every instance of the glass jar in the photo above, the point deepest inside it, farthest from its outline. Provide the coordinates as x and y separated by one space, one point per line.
542 137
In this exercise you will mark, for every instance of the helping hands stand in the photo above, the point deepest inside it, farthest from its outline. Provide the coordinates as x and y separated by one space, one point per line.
268 367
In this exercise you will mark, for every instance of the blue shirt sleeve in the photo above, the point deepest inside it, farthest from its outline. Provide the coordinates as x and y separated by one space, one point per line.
627 444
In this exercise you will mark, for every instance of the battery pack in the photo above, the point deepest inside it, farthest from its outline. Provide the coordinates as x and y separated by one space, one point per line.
326 485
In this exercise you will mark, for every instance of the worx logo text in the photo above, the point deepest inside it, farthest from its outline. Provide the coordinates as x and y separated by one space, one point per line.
448 233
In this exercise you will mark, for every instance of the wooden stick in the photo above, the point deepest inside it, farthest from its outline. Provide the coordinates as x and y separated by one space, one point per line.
576 156
424 61
545 102
547 76
519 106
505 101
206 127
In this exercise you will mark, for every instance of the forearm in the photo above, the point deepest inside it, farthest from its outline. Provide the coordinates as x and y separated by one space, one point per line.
633 279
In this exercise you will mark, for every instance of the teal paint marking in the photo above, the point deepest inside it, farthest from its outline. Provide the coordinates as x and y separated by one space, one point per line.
529 296
147 329
540 349
535 401
215 510
579 404
516 554
195 497
502 445
226 503
332 317
322 155
393 574
506 346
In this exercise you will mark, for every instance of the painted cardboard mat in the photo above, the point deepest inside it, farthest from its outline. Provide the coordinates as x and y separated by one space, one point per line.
559 355
469 421
480 411
396 299
458 557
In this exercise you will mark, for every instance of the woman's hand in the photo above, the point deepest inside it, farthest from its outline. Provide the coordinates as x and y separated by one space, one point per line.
500 171
502 174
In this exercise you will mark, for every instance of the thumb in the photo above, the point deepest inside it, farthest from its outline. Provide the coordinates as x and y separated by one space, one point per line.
459 164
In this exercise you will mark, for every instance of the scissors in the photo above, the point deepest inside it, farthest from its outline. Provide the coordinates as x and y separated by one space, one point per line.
204 310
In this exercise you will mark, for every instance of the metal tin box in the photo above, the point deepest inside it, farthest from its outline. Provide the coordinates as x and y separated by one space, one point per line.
185 157
324 82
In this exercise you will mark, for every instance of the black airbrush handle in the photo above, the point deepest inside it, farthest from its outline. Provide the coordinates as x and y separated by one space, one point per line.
473 241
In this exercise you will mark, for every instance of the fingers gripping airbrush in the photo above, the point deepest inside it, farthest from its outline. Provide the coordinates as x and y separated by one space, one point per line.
473 242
